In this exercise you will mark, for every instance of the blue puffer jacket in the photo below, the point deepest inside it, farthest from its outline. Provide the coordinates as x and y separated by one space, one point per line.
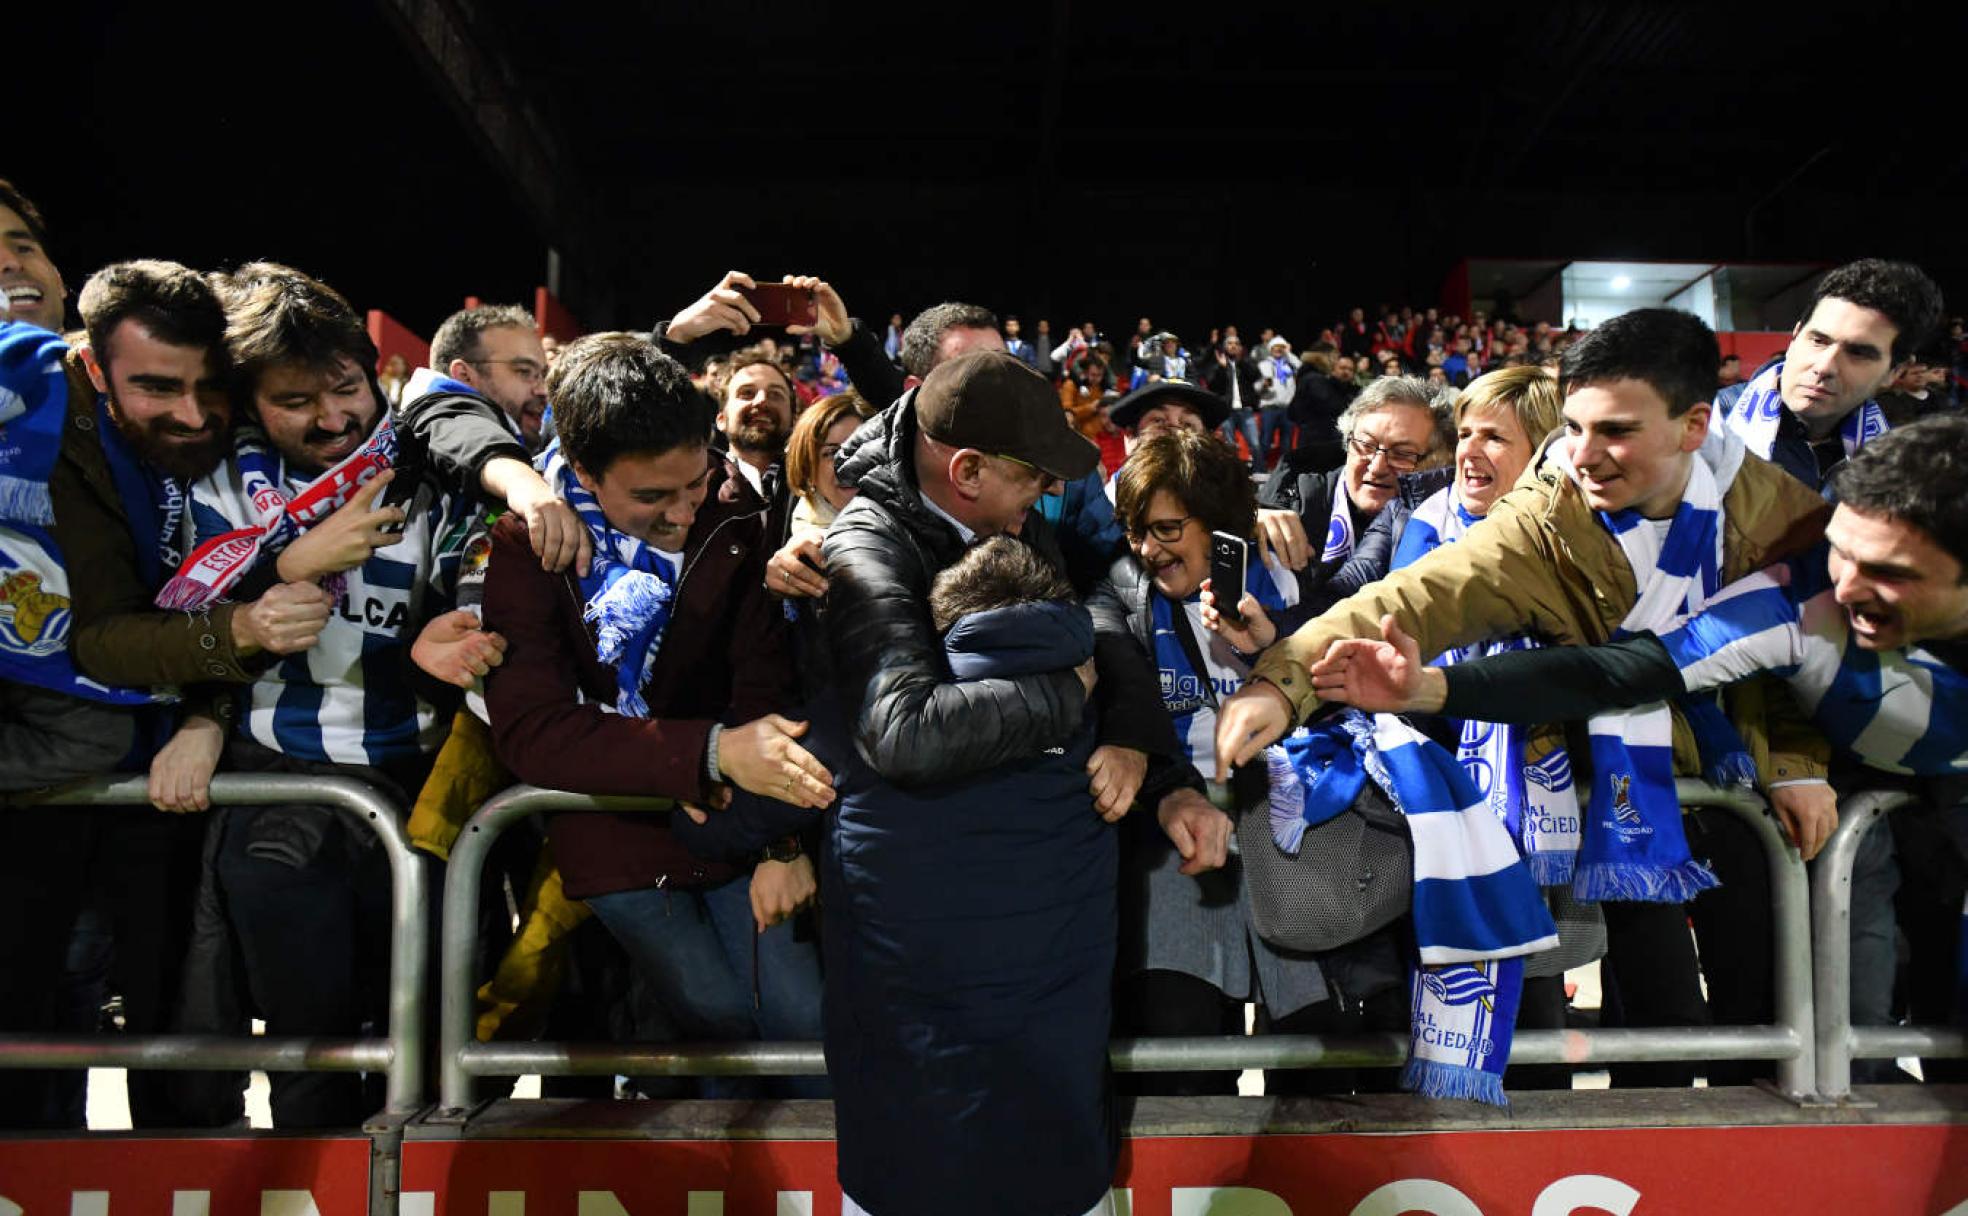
970 938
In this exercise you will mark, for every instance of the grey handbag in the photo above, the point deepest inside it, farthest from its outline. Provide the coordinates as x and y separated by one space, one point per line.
1353 874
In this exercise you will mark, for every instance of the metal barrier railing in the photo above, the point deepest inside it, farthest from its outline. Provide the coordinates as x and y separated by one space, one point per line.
1840 1042
400 1055
1788 1040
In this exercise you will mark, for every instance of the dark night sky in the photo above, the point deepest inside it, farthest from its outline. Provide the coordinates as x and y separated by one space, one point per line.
1077 159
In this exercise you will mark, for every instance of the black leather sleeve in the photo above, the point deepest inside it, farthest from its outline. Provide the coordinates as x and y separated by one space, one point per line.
868 368
910 721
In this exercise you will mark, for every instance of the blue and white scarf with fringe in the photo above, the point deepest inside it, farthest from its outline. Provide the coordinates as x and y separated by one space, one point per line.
1477 910
1536 802
35 613
1756 414
1633 846
629 589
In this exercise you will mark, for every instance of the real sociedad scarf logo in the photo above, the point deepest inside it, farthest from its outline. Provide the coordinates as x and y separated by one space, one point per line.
1460 985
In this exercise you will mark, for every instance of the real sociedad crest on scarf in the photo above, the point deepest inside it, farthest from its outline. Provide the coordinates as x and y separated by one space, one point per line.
1460 985
1627 820
34 609
1553 772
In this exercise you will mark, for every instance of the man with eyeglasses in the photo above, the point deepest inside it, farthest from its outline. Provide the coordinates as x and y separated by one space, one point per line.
1394 426
495 351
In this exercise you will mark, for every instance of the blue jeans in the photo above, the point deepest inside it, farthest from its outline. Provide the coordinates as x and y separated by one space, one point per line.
1246 421
695 948
1274 423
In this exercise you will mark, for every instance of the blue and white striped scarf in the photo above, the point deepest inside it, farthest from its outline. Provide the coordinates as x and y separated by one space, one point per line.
1477 910
1633 846
1536 802
629 589
1757 412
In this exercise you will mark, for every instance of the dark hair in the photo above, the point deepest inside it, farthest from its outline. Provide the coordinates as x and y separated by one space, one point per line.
276 314
1672 352
740 359
615 394
997 573
1202 471
1901 290
12 199
462 336
925 334
172 302
1915 474
810 434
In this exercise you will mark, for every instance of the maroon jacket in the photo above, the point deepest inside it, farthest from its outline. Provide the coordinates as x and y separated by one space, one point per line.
725 657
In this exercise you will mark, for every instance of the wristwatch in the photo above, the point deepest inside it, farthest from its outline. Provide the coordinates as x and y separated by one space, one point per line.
786 848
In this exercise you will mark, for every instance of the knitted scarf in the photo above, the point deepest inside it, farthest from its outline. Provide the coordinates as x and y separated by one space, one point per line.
1339 526
260 494
1477 910
1633 846
629 589
1757 412
35 613
1536 802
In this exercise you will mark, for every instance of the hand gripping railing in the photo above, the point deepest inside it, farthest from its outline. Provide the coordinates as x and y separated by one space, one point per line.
1788 1040
1840 1042
400 1056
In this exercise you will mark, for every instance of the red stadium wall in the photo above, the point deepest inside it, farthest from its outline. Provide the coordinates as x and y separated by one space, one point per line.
1754 347
392 337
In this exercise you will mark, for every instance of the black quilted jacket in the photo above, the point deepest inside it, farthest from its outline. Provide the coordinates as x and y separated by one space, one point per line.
908 718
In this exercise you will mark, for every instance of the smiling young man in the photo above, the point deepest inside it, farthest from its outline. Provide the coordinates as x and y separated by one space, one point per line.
659 674
1814 407
34 291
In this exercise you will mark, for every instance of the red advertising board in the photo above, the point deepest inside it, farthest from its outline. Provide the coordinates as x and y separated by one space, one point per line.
1798 1170
145 1177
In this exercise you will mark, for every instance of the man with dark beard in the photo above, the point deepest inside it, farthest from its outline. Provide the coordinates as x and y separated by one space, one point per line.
111 480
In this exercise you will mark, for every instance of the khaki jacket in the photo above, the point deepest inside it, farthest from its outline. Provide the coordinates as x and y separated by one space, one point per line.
1541 563
118 636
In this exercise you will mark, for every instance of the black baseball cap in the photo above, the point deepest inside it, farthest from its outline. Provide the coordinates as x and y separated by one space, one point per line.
1213 409
993 402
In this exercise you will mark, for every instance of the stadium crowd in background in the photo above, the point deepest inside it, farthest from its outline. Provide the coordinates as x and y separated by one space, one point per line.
915 629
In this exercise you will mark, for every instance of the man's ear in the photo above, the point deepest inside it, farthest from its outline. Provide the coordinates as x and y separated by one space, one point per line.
967 472
589 483
97 375
463 372
1696 421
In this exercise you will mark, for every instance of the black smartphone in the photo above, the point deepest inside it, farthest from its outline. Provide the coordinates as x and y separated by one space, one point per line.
1229 557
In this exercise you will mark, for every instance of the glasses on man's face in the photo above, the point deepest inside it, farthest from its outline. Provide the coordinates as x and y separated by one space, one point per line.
527 370
1167 531
1405 459
1047 482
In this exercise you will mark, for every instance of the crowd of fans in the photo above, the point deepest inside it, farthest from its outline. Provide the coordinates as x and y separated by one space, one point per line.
865 610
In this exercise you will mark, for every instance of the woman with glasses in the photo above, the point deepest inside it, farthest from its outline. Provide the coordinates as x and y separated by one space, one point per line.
817 437
1190 959
1396 425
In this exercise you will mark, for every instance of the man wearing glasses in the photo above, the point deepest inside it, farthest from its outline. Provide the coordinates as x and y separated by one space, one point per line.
495 351
1392 427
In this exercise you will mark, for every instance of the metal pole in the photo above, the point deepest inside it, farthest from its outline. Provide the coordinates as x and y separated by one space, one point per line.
1831 935
463 876
409 959
184 1051
1790 911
